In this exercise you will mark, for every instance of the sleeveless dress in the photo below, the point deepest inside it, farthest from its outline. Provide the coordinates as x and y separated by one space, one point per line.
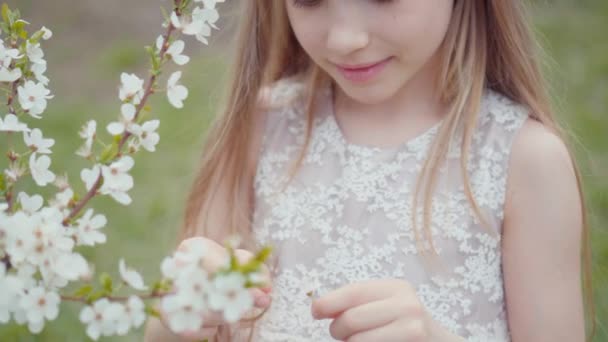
346 217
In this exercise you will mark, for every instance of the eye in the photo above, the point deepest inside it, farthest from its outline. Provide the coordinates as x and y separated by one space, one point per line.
305 3
312 3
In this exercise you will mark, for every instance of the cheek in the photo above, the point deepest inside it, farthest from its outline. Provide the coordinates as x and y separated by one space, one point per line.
309 33
417 30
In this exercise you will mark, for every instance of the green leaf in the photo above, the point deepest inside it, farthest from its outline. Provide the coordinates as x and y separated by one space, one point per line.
36 37
264 254
152 311
106 282
5 13
84 291
163 11
2 182
19 25
110 151
255 264
95 296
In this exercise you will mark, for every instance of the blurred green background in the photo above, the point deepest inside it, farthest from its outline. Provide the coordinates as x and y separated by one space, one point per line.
94 41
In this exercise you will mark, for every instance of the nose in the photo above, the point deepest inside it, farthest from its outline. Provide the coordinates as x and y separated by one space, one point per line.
345 37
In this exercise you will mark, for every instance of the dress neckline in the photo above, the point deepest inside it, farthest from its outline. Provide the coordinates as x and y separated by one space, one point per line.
411 144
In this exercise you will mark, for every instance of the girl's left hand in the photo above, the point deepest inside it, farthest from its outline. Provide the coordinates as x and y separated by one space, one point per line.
378 310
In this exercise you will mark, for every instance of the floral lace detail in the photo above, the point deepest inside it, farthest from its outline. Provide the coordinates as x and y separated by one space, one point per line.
346 217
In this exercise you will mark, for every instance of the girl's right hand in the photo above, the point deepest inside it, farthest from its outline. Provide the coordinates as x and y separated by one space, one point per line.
216 257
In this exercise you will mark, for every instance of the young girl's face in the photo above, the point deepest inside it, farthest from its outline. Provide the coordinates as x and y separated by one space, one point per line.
372 48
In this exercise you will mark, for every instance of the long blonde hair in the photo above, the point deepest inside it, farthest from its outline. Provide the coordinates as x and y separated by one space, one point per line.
267 51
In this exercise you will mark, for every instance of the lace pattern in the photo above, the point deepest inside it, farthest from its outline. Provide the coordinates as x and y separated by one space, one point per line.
346 217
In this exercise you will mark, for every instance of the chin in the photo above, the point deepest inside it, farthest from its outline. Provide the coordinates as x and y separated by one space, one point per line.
368 93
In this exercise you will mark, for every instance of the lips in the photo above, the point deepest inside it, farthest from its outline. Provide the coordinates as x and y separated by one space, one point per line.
360 66
362 72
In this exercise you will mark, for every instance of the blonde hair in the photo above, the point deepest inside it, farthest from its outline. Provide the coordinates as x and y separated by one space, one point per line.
267 51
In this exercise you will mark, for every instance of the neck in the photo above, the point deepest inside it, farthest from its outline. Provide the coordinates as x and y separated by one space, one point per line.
417 100
412 109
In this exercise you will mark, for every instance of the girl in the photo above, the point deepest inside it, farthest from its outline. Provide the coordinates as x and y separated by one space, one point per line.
402 159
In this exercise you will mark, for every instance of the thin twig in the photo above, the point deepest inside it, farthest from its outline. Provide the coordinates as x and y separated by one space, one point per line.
93 191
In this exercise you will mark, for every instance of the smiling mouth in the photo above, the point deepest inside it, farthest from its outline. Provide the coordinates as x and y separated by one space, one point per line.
362 66
362 72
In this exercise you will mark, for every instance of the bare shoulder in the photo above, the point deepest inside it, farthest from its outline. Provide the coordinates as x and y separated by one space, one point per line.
536 149
541 172
542 239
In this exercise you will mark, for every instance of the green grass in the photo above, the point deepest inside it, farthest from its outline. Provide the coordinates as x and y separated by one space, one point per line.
574 34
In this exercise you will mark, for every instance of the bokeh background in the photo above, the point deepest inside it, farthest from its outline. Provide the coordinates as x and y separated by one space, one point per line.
94 41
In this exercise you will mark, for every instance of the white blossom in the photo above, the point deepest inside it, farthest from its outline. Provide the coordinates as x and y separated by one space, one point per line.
199 23
12 124
174 51
186 24
10 75
208 17
135 315
51 239
131 277
71 266
133 145
14 172
183 313
62 200
61 181
30 204
40 170
32 97
36 142
117 181
101 318
148 138
20 240
6 58
88 133
131 88
90 176
39 69
229 295
12 288
126 123
87 232
34 53
176 92
47 34
39 304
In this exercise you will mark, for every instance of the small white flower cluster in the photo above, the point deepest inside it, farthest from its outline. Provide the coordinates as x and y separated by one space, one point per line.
200 22
197 292
37 243
32 97
107 318
38 257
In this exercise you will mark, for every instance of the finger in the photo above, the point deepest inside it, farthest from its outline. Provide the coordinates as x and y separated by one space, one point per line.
364 317
215 255
335 302
244 256
261 299
397 331
202 334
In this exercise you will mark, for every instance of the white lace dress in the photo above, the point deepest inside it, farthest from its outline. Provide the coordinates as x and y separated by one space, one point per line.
346 218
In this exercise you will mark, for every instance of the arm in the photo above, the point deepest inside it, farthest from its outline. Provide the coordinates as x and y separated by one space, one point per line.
157 332
542 239
218 218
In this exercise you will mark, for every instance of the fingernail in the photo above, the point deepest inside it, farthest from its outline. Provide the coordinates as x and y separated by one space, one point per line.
262 301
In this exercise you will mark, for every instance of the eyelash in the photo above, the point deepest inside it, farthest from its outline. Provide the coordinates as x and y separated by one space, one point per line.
313 3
